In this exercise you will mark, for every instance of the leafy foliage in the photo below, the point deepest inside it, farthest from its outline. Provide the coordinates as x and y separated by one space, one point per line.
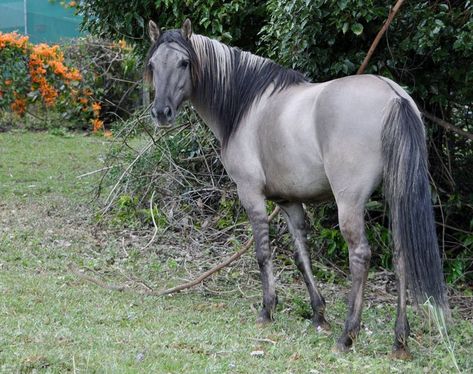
428 49
111 69
230 21
37 74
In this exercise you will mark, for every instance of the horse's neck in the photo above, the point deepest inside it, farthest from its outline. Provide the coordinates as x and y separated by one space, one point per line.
205 113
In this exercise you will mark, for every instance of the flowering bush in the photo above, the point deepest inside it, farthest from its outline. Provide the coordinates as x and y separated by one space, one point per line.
36 76
113 69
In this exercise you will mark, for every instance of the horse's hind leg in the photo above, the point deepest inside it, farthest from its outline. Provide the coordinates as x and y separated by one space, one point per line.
401 329
254 204
295 217
352 224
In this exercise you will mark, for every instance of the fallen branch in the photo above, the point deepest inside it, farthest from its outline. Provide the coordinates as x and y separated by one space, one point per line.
190 284
378 37
446 125
96 281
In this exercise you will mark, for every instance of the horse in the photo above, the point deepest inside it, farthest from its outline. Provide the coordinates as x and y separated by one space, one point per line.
291 141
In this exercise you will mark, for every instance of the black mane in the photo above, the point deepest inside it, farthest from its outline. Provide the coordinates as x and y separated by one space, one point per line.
229 88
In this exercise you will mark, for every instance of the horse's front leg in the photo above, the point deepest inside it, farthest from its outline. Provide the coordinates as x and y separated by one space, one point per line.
254 203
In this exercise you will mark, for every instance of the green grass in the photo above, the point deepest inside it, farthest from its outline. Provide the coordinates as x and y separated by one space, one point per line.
50 321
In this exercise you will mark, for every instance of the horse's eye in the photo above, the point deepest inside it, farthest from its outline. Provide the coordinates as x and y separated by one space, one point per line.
150 66
184 64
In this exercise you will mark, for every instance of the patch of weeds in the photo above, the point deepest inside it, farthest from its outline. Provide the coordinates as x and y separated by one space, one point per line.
171 264
230 213
379 238
326 274
126 212
301 307
59 131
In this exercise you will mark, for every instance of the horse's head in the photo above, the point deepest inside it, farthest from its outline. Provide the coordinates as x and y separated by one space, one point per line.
171 67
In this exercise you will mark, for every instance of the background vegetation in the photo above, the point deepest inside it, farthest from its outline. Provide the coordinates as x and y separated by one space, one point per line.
167 211
428 50
79 85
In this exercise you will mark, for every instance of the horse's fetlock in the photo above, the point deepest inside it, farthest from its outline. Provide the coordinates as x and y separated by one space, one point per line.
352 328
402 330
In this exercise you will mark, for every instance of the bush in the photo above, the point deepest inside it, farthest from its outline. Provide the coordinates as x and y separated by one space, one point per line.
428 49
110 70
83 84
237 21
36 78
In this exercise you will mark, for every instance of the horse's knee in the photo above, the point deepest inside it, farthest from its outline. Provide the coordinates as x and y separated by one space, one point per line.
263 256
361 253
352 228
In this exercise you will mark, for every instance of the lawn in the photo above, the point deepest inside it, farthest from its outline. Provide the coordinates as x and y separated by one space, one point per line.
52 321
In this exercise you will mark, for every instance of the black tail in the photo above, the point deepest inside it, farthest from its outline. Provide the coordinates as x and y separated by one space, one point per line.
406 187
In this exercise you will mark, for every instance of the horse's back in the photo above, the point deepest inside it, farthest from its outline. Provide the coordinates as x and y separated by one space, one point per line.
313 139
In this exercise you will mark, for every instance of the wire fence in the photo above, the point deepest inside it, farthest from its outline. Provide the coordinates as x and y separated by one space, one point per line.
42 20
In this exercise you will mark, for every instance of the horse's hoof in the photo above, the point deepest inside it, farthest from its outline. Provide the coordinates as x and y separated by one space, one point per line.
340 348
263 319
260 321
322 327
401 354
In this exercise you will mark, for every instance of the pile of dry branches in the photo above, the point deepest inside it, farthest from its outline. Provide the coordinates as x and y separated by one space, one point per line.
111 70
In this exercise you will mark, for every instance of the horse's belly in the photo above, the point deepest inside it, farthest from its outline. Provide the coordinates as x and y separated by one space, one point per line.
298 184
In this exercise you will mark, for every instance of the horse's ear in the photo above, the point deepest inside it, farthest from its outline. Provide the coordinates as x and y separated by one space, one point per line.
153 31
186 29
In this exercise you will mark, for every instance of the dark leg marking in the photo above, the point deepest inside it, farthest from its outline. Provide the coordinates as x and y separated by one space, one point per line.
401 329
256 209
295 217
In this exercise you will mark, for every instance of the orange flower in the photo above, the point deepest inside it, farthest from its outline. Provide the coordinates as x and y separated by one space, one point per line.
58 67
72 4
122 43
49 94
13 39
72 75
96 124
107 134
96 108
83 100
19 106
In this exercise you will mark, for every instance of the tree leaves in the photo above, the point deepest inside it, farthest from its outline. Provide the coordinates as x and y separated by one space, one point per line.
357 28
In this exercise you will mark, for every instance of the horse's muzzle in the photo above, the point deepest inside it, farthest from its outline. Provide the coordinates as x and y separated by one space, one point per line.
163 115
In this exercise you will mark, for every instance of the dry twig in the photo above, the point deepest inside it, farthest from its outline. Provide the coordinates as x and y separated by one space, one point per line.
190 284
378 37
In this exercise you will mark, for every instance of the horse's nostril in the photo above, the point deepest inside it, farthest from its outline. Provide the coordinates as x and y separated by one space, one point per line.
167 112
